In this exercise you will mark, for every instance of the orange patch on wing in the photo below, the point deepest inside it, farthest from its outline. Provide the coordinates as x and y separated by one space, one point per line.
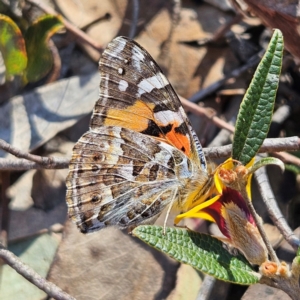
179 140
137 116
133 117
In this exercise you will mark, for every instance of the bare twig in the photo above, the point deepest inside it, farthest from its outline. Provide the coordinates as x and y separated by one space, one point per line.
4 211
205 112
273 209
48 287
269 145
7 164
44 161
134 21
206 288
253 61
39 162
277 144
81 36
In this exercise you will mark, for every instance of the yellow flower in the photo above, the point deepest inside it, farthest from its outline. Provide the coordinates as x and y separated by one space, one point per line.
229 210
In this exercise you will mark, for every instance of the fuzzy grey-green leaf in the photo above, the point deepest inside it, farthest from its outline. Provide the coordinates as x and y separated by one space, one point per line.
265 162
256 109
201 251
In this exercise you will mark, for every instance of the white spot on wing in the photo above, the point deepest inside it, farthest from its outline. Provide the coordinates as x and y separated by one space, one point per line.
167 116
123 85
120 71
148 84
137 57
120 46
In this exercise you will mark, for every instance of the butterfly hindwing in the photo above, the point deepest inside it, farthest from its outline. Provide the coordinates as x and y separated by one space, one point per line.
121 177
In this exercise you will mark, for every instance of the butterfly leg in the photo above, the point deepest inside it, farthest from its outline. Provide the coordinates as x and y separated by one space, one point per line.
169 210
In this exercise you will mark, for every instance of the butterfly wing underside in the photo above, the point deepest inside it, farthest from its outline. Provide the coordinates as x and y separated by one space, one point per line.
120 177
139 150
135 94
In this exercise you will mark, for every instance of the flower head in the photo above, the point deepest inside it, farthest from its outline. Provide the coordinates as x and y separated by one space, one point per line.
229 210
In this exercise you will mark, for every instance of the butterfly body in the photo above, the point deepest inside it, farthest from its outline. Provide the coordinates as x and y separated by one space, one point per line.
141 154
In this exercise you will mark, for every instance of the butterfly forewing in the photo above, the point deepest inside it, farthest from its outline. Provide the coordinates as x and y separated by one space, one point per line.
135 94
140 154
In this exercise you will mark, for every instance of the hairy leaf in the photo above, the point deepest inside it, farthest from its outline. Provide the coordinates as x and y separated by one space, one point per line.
201 251
256 109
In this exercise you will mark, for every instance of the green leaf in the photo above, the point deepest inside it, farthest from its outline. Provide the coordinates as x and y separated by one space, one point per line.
40 58
12 46
256 109
267 161
201 251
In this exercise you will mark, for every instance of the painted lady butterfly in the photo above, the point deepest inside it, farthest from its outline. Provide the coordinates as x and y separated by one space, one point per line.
141 154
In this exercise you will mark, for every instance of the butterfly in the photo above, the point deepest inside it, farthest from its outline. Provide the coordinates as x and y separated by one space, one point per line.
140 154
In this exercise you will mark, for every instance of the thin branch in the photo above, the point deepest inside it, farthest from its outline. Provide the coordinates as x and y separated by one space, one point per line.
134 21
81 36
278 144
4 211
48 287
273 209
42 160
205 112
7 164
30 161
269 145
206 288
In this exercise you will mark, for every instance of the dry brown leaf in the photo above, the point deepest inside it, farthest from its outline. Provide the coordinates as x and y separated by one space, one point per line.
85 13
110 264
261 291
188 68
27 121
